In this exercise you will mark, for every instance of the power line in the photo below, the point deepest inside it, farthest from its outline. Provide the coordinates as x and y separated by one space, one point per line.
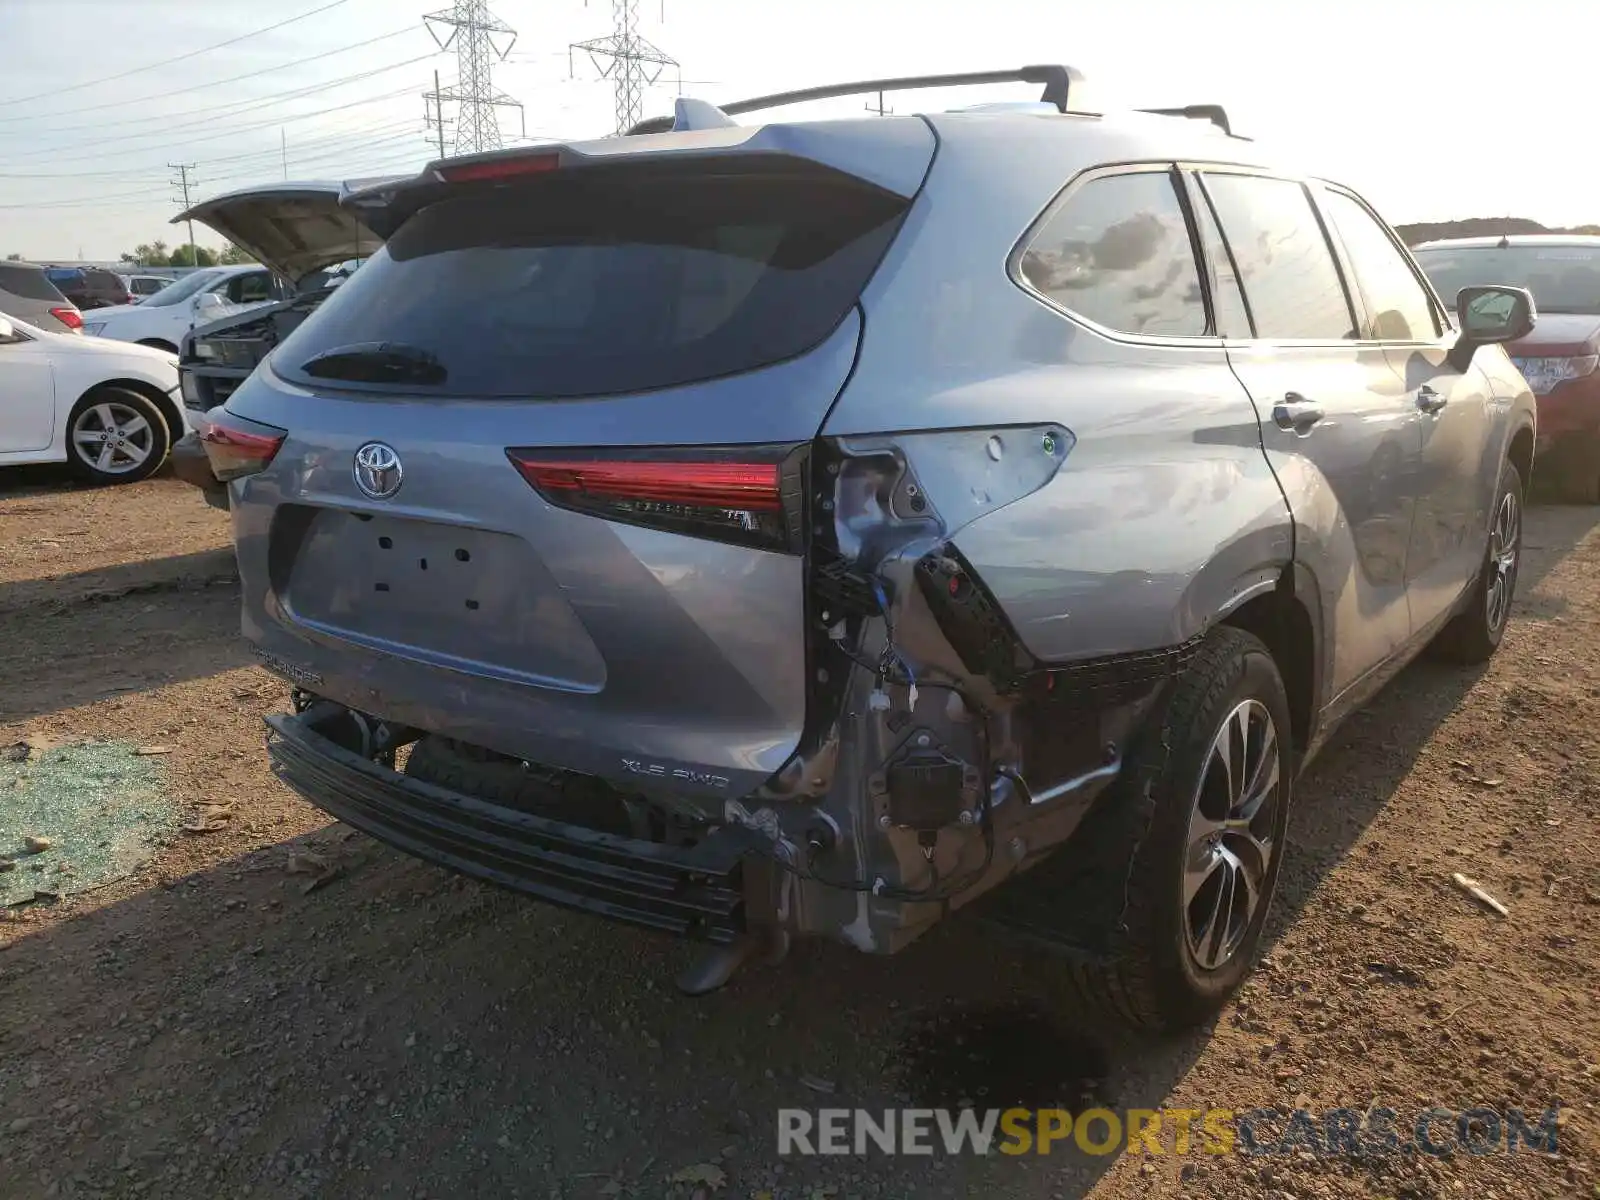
238 108
472 30
78 87
230 132
198 87
632 62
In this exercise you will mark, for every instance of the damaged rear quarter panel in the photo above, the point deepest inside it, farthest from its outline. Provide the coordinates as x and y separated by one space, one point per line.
1165 512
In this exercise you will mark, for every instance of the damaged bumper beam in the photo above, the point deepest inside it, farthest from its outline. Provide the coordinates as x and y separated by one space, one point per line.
694 892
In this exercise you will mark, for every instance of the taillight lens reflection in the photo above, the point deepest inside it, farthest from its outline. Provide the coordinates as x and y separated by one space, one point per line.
237 447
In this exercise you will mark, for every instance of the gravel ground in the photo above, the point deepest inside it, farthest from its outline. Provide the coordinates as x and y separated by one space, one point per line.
281 1008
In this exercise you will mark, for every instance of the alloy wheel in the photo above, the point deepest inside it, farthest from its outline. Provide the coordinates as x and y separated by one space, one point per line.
113 438
1505 540
1230 843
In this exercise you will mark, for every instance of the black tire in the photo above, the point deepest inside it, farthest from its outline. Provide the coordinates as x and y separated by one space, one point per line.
575 799
1475 633
131 447
159 344
1152 977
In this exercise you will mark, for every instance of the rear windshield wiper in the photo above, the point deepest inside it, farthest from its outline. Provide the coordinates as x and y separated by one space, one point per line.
376 362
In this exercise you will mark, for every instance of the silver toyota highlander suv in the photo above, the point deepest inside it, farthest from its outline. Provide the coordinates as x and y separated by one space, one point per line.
794 529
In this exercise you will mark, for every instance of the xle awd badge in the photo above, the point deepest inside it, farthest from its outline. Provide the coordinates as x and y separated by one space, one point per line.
378 471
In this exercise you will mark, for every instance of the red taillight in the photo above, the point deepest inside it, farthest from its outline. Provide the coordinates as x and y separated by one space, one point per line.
237 447
70 317
734 499
500 168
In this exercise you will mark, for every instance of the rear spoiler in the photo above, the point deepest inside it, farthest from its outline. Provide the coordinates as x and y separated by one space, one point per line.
893 156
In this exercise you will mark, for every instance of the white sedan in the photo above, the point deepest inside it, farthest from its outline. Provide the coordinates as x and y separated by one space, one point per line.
197 299
108 409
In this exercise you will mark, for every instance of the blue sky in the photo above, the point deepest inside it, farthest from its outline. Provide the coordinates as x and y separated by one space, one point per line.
1433 110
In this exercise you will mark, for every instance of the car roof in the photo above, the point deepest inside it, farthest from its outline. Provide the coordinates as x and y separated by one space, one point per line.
1509 240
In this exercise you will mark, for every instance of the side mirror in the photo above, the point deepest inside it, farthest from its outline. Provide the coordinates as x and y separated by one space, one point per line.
208 303
1493 314
7 330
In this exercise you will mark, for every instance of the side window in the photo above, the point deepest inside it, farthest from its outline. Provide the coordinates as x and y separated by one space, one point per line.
1117 252
252 288
1399 308
1227 296
1289 274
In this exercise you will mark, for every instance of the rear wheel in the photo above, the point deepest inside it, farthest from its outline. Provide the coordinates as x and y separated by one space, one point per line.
116 436
1475 633
1202 813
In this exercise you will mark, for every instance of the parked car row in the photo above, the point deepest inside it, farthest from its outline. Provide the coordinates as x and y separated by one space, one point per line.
850 533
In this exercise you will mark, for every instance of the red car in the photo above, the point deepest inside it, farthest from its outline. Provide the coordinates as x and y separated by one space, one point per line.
1558 359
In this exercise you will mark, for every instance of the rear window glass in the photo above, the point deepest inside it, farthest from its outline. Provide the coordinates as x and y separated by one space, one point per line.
1561 278
1117 252
601 282
29 283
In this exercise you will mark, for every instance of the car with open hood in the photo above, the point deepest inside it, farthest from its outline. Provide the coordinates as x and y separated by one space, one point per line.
814 528
199 298
303 235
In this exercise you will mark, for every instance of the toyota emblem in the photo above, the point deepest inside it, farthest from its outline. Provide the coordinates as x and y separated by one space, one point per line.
378 472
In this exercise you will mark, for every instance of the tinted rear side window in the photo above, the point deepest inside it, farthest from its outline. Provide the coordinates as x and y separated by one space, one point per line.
598 282
29 283
1290 279
1117 252
1398 304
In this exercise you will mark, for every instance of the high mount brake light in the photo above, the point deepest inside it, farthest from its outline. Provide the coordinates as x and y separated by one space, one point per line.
740 500
500 168
237 447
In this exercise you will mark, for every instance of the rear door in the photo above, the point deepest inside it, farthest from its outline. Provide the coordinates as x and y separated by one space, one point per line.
541 480
1338 425
1460 421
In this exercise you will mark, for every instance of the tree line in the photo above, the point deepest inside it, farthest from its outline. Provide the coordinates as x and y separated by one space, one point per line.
156 254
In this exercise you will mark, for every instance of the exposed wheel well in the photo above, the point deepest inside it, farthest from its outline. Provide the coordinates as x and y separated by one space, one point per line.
1521 456
164 402
159 344
1283 623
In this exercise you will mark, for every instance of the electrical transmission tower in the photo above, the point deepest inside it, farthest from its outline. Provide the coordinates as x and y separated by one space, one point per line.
473 31
630 61
181 181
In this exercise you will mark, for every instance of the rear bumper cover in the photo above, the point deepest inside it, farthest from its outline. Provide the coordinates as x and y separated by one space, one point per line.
694 892
190 464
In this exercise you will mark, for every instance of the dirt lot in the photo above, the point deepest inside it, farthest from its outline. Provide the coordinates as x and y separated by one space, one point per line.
210 1027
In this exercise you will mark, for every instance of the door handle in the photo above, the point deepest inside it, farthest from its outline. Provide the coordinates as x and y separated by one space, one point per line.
1296 413
1430 401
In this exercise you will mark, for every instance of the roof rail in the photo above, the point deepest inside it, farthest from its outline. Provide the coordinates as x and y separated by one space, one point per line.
1214 113
1060 84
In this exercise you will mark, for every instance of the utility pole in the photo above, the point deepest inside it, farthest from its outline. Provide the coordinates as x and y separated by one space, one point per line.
473 30
879 108
182 183
283 139
630 61
436 116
